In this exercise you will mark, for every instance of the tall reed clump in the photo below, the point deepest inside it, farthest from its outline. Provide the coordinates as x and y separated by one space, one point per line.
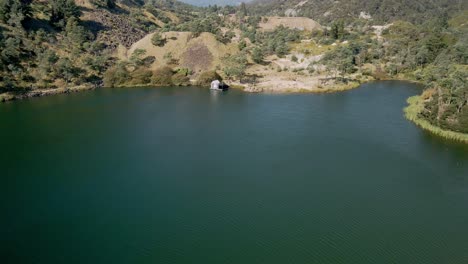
415 107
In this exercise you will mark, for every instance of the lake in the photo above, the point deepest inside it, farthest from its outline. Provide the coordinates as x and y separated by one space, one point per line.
186 175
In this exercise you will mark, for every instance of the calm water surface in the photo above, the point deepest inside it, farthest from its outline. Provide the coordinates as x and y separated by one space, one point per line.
185 175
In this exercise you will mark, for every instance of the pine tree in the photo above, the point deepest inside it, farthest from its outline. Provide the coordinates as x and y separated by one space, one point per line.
258 55
62 10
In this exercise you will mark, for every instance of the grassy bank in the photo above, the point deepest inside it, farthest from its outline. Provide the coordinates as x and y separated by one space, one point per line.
415 106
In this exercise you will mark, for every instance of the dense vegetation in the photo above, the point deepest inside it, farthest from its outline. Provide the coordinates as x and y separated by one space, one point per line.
45 45
434 53
381 11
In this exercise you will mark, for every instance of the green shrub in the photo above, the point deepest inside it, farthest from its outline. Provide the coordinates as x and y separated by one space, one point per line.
116 76
180 78
207 77
235 65
258 55
162 77
158 40
141 77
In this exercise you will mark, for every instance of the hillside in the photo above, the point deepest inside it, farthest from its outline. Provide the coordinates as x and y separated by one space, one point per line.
380 11
68 43
182 49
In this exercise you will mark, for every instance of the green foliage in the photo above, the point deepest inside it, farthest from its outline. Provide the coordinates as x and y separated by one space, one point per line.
205 23
75 35
342 60
158 40
258 55
294 58
67 70
242 45
414 112
46 61
137 57
205 78
162 77
381 11
62 10
226 37
180 78
447 107
140 76
13 12
311 68
276 42
235 65
105 3
116 75
11 51
243 10
338 29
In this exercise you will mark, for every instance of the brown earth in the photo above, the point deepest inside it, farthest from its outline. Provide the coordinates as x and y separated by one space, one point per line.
185 50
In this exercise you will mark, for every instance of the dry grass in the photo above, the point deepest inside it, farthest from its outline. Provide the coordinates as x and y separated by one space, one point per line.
206 52
310 47
301 23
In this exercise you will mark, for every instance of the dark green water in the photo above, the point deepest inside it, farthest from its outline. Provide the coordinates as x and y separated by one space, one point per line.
183 175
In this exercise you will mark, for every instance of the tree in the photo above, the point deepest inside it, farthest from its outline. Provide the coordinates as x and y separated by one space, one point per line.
105 3
158 40
235 65
258 55
137 57
62 10
67 70
75 34
242 45
14 12
11 51
116 75
162 76
243 10
45 62
340 61
282 48
110 3
205 78
338 29
226 37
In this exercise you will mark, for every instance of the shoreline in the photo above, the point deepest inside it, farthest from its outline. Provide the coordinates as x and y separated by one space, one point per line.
415 106
411 112
335 88
12 96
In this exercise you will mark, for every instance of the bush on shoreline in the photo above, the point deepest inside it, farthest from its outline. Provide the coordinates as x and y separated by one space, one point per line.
412 113
162 77
207 77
